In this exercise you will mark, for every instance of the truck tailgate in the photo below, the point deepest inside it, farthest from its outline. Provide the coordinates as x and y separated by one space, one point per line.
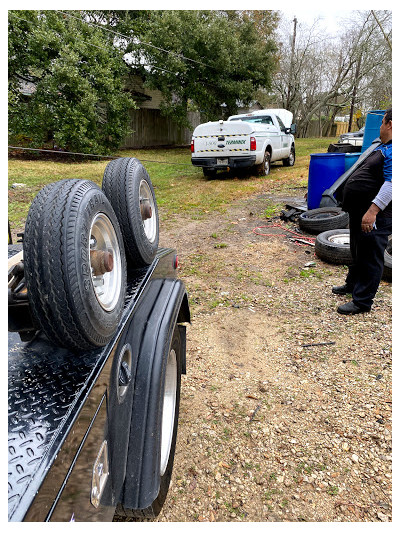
222 140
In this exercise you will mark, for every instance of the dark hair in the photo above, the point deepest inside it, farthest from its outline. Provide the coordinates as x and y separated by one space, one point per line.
388 115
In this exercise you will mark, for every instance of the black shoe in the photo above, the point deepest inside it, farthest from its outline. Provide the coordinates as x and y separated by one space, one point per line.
350 308
342 289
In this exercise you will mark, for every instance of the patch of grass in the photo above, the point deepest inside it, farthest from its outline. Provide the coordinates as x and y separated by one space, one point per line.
272 210
303 467
333 491
309 273
221 245
179 186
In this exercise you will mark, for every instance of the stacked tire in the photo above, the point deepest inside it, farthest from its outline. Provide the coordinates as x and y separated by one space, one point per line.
78 242
332 243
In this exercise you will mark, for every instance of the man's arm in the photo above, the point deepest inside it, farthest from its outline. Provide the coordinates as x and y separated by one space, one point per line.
384 196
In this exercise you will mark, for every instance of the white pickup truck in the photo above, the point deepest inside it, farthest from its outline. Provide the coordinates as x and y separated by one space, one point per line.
252 139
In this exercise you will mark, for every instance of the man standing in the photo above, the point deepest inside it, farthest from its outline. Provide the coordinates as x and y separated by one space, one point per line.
367 197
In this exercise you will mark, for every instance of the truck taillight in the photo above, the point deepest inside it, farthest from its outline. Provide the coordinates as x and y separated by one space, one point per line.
192 146
253 144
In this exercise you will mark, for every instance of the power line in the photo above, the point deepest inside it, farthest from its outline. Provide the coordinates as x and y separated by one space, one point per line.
58 152
143 43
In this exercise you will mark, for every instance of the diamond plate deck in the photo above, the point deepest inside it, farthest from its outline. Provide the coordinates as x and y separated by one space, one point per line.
46 388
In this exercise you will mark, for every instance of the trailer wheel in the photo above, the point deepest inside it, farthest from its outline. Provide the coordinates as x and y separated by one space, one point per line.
128 187
323 219
289 161
75 266
264 168
333 246
169 428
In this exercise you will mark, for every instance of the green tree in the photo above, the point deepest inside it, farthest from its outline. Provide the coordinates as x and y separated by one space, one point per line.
76 75
204 60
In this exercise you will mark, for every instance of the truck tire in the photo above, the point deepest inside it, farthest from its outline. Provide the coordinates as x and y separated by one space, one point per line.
209 172
323 219
333 246
170 413
264 168
128 187
289 161
75 266
387 265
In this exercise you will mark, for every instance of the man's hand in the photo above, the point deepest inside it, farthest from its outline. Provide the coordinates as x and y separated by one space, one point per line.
368 220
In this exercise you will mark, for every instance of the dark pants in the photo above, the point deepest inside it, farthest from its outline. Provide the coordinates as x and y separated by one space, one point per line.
367 250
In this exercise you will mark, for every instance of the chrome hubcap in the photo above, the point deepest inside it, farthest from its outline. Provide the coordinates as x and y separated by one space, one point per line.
341 238
148 211
168 416
105 262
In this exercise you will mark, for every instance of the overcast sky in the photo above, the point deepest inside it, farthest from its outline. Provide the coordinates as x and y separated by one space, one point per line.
330 19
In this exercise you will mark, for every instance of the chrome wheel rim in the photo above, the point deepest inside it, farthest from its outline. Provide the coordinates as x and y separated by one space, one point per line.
340 238
150 223
103 239
169 405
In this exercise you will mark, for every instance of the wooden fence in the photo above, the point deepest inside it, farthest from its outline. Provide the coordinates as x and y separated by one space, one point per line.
150 128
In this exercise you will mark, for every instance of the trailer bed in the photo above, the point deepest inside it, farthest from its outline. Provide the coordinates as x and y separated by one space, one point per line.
54 396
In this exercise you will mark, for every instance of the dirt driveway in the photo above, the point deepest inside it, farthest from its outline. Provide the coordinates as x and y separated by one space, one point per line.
272 429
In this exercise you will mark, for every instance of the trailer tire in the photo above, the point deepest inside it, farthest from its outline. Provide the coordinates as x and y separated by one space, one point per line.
323 219
127 184
333 246
170 414
264 168
76 296
387 265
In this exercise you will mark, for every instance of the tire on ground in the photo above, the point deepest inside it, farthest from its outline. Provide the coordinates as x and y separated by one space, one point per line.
75 267
172 376
344 148
128 187
209 172
333 246
387 266
289 161
323 219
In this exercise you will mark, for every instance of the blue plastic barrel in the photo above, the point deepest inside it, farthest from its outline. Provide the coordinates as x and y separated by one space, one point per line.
324 170
350 159
372 127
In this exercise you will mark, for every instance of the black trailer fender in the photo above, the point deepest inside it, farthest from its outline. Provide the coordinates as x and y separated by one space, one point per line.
169 307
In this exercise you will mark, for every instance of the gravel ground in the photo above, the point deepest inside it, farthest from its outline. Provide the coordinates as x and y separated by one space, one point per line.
272 429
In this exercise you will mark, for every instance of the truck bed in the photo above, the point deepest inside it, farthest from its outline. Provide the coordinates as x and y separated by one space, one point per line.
51 406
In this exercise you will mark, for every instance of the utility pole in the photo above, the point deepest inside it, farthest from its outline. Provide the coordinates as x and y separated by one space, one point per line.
291 63
353 98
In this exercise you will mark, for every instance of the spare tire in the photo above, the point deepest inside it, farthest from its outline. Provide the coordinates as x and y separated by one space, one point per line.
344 148
75 267
128 187
323 219
333 246
387 266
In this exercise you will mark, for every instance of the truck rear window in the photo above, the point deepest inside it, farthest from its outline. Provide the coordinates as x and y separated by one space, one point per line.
263 119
